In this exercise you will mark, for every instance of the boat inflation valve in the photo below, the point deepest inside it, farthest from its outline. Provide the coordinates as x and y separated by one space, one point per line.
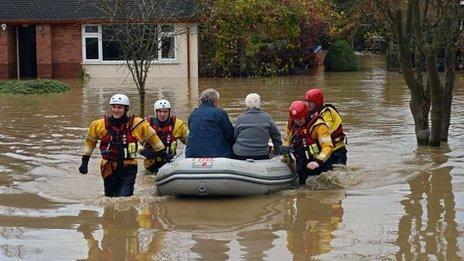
202 189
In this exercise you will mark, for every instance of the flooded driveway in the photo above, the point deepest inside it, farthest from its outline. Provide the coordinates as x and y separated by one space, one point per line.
398 201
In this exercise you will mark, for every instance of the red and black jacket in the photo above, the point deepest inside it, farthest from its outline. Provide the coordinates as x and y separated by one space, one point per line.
163 130
118 143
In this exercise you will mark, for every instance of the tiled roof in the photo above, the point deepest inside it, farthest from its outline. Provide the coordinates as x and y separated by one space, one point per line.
71 10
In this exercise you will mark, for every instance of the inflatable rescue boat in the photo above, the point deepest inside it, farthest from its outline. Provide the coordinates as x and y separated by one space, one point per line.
223 177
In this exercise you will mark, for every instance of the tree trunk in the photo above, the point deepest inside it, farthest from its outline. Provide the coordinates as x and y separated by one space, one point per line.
142 102
428 26
418 104
420 112
436 99
450 78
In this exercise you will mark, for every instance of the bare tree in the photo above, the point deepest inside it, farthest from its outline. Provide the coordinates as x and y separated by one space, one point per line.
424 30
139 29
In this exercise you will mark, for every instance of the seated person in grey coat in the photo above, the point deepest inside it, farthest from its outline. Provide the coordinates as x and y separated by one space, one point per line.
252 131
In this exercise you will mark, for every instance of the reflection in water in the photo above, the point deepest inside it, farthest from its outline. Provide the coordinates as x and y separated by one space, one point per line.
40 145
127 234
310 223
223 228
251 228
256 242
428 227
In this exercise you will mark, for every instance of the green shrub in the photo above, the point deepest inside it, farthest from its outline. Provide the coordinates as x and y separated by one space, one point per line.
258 37
340 58
33 87
82 75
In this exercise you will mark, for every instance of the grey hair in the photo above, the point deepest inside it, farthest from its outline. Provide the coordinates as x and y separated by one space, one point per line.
253 100
209 95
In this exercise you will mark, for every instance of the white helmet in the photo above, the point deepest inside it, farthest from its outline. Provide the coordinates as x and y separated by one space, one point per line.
161 104
119 99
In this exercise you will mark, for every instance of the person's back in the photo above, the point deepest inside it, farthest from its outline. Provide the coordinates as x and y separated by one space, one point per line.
211 132
253 130
332 118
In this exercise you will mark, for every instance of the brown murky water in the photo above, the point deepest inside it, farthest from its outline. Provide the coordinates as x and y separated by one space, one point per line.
398 201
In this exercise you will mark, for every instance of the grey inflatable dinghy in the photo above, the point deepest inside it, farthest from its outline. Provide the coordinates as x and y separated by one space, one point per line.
223 177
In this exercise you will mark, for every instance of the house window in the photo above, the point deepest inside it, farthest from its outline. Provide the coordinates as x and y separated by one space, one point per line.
167 47
167 42
91 48
99 46
91 38
111 49
91 28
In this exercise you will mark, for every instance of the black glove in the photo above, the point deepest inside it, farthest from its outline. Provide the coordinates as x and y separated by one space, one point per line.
148 153
166 156
285 149
84 168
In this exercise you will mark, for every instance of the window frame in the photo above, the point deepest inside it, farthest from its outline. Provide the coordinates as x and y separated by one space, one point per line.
86 35
160 44
100 60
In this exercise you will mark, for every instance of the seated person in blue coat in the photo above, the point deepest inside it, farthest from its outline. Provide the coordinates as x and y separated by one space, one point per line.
253 130
211 132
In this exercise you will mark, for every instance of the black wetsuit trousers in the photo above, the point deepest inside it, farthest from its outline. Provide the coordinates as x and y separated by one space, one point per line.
304 172
339 156
121 182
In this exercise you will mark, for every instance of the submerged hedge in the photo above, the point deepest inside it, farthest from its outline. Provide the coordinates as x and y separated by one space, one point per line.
341 58
33 87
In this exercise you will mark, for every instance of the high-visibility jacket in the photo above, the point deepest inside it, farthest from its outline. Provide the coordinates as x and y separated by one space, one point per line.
169 133
333 120
118 143
139 130
314 138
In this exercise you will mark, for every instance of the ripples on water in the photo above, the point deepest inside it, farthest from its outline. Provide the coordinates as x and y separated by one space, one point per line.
390 194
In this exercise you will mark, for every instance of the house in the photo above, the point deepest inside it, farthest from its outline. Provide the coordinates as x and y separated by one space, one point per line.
59 38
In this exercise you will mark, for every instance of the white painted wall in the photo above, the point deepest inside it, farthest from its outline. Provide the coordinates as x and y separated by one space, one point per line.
160 69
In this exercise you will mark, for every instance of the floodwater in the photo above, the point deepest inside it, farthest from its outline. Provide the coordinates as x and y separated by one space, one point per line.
396 201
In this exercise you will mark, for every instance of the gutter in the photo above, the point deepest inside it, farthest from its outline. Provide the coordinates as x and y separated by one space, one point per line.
188 52
85 20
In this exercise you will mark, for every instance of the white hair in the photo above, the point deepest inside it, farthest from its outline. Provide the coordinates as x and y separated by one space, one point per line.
253 100
209 95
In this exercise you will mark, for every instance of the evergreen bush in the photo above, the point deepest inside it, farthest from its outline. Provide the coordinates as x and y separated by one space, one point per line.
33 87
340 58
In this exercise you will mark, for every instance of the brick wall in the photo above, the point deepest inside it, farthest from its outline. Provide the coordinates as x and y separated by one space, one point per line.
66 49
8 53
59 51
4 55
43 37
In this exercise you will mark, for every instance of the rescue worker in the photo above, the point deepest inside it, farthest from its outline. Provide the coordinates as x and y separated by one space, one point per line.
168 128
331 116
118 135
310 140
211 133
